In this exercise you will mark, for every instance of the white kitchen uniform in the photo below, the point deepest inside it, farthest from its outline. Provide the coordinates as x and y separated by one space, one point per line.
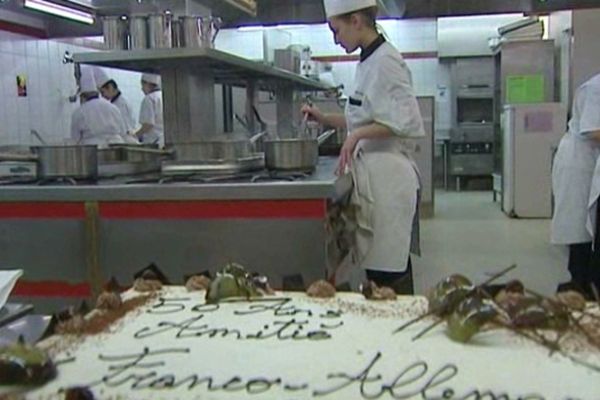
151 112
123 105
97 122
386 181
590 122
573 168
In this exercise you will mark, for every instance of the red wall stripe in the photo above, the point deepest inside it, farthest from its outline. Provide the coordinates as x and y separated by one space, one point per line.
300 209
51 289
42 210
23 30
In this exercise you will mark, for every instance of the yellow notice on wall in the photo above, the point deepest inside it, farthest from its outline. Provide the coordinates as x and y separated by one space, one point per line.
522 89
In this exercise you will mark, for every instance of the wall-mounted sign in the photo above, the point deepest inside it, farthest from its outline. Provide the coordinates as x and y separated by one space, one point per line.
21 85
521 89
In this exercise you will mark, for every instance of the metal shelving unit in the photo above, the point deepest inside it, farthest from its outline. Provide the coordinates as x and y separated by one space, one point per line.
228 68
189 76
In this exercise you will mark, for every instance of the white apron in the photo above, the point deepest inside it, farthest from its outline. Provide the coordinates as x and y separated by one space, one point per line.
386 181
573 170
572 174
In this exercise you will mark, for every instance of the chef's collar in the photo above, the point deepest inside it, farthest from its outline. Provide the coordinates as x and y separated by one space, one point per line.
116 97
370 49
92 97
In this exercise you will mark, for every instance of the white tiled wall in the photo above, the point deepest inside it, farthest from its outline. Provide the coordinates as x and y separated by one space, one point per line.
49 85
50 82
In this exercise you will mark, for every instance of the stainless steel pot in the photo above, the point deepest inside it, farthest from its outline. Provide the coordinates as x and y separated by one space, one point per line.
139 154
115 32
110 155
77 162
120 153
218 149
138 32
177 33
200 31
159 31
297 154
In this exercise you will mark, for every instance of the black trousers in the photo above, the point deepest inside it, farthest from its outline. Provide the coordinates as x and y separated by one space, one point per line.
593 273
401 282
580 257
584 263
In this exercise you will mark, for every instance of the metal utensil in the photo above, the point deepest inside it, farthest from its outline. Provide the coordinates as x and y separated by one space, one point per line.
38 136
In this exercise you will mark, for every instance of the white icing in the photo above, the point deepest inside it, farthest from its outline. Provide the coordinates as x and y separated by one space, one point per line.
495 361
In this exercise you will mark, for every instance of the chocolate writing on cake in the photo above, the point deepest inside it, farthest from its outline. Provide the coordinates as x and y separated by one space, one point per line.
149 369
283 321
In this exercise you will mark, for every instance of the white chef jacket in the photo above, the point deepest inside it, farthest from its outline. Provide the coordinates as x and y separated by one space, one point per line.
385 177
573 168
97 122
123 105
151 112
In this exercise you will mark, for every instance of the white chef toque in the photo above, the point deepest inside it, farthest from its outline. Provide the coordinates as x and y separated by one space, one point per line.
340 7
87 82
151 78
101 76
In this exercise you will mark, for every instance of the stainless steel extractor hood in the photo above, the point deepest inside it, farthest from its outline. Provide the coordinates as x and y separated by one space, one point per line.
311 11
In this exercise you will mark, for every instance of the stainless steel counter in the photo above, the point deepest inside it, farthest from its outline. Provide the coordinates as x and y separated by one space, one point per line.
321 184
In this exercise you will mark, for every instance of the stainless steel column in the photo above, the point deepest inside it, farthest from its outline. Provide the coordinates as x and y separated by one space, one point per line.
251 94
287 111
189 104
227 108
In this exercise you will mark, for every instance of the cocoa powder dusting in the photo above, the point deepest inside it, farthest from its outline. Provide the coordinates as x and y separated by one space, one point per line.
101 320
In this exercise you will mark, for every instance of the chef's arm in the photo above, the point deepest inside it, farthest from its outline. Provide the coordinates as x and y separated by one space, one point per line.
334 120
594 135
145 128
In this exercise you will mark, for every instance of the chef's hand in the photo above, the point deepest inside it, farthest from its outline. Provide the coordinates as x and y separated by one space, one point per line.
346 154
313 113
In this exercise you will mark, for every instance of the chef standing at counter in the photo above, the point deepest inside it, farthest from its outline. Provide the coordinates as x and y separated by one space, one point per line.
151 112
110 91
96 121
380 114
572 175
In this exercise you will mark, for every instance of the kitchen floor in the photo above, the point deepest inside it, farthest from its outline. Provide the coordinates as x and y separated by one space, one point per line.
470 235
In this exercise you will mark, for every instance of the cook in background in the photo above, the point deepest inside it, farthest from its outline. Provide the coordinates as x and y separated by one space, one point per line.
151 112
110 91
380 115
572 175
95 121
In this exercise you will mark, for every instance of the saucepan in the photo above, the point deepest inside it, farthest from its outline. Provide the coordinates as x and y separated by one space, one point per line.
61 161
222 147
296 154
116 153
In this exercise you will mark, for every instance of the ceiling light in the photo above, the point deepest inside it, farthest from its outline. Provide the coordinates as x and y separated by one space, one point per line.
61 11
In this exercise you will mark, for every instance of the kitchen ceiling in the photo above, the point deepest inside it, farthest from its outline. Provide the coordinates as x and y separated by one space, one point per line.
270 12
307 11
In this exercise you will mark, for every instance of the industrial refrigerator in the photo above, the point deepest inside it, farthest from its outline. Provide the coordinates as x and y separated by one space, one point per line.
531 133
